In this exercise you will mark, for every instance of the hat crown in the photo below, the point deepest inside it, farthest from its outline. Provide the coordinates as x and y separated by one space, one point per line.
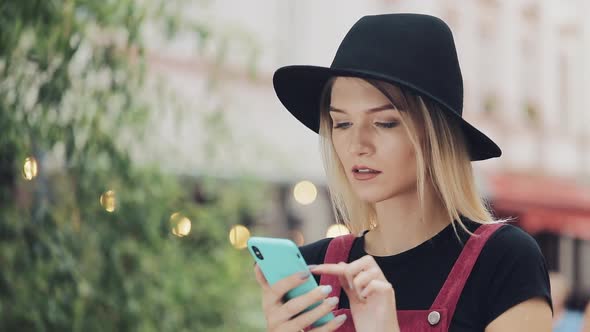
415 48
414 51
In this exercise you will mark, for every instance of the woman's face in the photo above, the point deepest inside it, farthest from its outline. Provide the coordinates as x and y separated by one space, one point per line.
367 132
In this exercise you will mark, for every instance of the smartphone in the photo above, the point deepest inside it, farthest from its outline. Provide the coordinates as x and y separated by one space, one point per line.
279 258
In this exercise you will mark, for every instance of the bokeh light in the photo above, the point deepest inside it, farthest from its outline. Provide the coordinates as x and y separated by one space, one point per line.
305 192
336 230
181 225
30 168
108 200
238 236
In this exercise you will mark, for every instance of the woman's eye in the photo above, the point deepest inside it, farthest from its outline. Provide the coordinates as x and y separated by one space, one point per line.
341 125
387 124
380 124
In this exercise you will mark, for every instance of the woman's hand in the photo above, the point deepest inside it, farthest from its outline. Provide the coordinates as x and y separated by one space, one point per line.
586 324
371 296
279 315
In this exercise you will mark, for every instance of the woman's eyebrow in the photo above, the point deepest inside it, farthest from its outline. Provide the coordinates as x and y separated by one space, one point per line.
370 110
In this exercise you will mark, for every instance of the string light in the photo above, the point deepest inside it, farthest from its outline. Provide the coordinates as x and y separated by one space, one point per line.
238 236
305 192
181 225
108 200
30 168
336 230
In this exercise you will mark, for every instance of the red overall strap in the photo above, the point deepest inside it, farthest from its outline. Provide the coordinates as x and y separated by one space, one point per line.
451 291
337 252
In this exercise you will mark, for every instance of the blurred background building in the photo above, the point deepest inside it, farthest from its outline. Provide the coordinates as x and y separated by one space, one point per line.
526 70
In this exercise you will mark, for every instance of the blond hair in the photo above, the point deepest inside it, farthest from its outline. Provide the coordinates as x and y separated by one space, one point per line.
442 157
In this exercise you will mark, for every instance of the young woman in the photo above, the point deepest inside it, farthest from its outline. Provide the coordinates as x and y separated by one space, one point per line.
424 253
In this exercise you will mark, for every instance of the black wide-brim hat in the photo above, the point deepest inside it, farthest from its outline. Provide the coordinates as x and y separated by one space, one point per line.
413 51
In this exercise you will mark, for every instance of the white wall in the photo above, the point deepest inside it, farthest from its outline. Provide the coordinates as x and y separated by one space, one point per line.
490 37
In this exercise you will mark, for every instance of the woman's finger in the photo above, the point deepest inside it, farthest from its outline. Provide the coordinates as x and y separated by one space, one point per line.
298 304
328 268
349 269
340 269
346 273
272 295
346 282
376 286
351 293
362 279
305 319
364 269
365 263
331 325
347 277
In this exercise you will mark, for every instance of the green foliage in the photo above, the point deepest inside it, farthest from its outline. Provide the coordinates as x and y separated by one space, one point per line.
70 76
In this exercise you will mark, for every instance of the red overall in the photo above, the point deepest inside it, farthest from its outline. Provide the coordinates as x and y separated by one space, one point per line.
438 317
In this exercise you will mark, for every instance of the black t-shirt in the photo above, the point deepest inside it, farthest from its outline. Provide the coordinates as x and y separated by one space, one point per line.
509 270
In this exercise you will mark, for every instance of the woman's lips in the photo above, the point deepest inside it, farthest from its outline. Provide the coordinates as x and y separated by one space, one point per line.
364 176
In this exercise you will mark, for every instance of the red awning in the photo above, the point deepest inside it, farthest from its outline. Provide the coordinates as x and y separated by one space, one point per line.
542 203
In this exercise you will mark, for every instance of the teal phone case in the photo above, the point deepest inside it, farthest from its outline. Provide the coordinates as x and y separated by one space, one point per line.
282 258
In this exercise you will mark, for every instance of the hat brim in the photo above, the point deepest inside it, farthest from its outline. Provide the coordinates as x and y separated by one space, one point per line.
299 88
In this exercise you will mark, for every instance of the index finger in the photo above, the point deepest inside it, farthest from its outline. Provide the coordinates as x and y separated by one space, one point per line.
352 268
337 269
345 272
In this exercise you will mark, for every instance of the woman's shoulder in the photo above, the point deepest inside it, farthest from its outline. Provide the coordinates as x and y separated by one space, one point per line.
512 240
512 269
511 249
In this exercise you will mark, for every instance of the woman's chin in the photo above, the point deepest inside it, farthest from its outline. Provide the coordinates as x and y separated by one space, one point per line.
371 196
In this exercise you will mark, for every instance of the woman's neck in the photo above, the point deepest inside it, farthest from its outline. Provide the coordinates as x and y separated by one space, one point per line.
400 225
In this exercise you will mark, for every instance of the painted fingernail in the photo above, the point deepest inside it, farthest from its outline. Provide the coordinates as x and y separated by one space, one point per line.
327 289
304 275
332 301
340 319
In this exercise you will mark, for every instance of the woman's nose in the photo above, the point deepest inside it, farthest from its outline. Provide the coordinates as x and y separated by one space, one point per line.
359 142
